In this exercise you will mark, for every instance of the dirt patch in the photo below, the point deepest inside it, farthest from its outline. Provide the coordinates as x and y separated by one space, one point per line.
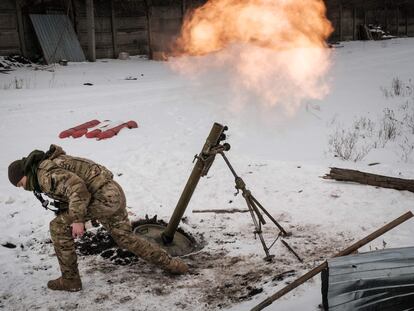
101 243
219 278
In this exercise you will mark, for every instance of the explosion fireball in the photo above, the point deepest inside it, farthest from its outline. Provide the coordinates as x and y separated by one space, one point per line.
275 49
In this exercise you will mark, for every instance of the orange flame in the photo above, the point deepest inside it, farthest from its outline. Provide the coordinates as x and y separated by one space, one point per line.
276 48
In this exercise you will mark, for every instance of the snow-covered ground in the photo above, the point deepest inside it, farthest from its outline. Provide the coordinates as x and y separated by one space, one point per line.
280 157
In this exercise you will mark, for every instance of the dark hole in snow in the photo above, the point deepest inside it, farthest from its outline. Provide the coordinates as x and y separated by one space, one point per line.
99 242
9 245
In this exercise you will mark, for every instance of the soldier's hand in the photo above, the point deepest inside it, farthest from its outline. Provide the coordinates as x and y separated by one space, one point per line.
78 229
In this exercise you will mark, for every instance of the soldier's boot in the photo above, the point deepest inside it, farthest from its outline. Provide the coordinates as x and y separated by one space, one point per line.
70 285
176 266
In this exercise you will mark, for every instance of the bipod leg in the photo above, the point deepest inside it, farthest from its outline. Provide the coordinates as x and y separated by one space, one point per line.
248 196
291 250
257 225
284 232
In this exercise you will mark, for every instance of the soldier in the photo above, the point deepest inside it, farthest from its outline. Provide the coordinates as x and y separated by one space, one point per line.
90 193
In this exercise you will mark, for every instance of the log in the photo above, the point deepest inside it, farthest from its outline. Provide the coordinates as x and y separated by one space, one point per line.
382 181
310 274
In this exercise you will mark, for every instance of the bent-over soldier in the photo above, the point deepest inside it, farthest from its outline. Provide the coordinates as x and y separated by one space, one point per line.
89 192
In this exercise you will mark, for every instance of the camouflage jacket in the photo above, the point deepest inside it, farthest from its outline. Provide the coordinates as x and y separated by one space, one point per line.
71 180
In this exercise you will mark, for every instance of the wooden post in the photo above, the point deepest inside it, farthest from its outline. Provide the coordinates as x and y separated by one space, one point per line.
90 17
183 9
148 5
406 22
397 11
20 28
354 25
396 222
71 12
365 16
340 23
114 30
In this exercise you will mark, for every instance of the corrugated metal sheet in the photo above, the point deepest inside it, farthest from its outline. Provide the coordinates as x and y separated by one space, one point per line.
380 280
57 38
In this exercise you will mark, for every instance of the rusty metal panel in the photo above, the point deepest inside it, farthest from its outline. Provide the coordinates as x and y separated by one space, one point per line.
379 280
57 38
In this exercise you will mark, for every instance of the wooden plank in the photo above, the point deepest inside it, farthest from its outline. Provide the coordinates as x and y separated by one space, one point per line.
20 27
114 29
136 49
102 24
341 37
167 12
7 5
102 38
8 21
406 23
132 22
9 39
132 38
148 10
131 8
104 52
410 26
166 25
183 9
9 50
397 16
91 30
347 24
163 41
354 24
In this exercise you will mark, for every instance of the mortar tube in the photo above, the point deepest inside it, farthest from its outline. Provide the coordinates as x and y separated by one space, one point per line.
198 171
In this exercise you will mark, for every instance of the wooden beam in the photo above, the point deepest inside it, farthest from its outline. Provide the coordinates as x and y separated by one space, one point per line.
90 21
406 22
183 9
397 11
342 174
148 6
341 37
310 274
365 16
354 24
114 30
20 28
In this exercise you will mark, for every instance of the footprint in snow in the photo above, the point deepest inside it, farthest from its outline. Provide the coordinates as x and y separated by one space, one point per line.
10 200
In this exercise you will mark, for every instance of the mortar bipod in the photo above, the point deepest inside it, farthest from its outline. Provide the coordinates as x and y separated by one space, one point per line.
178 244
253 206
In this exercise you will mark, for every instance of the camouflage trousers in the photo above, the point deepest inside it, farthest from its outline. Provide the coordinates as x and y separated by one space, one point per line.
108 206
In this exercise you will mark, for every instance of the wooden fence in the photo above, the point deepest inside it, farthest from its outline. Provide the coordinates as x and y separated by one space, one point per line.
146 26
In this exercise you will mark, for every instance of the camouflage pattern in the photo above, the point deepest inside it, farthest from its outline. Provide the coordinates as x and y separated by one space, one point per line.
91 193
71 179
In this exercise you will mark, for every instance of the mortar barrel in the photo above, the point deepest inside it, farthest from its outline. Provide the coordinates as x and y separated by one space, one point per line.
200 169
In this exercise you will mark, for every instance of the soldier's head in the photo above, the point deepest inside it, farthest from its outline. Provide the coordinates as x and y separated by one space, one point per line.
16 174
